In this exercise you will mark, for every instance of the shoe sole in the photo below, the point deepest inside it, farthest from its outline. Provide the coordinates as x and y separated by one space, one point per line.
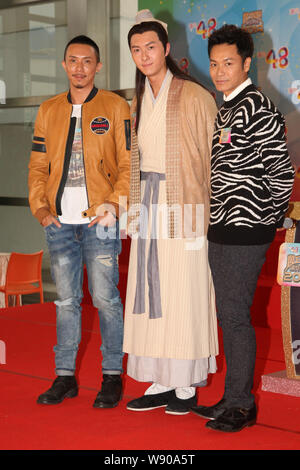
207 417
71 394
145 409
248 425
177 413
106 405
204 417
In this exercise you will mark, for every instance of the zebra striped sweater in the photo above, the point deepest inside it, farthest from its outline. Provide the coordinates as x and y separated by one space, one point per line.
251 173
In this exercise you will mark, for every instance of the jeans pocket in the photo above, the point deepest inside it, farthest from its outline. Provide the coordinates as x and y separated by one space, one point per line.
107 233
48 226
51 230
109 237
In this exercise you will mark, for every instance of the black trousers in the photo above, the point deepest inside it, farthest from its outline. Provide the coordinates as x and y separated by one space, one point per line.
235 270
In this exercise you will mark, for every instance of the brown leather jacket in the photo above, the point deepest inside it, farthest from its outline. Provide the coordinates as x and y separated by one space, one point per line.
106 151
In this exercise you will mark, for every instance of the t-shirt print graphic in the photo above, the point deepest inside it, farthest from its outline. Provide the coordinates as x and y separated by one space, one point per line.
76 169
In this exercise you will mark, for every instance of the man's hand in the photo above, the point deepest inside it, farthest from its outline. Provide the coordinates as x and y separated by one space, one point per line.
50 219
106 220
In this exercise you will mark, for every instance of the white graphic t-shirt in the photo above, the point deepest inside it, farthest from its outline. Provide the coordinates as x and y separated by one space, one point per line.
74 199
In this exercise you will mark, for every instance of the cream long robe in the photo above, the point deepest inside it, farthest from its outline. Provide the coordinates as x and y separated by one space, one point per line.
178 349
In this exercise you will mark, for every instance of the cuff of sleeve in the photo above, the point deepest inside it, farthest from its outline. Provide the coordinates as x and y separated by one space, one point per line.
108 207
280 222
41 213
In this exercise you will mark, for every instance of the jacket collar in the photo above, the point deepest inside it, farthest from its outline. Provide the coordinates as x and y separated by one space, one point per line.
92 94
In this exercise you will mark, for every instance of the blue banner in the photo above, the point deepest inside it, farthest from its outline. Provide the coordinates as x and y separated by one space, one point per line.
275 28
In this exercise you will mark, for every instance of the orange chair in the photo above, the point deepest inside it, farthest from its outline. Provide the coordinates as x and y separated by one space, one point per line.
23 276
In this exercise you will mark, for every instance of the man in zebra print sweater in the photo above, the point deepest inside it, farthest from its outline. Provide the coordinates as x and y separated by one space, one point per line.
251 183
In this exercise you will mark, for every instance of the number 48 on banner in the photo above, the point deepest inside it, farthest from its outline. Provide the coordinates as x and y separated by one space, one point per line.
281 60
201 28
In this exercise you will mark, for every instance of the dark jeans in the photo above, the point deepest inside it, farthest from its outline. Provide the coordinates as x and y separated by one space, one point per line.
235 270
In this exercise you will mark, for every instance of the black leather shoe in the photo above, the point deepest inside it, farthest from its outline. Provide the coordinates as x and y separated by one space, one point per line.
210 412
234 420
179 406
64 386
150 402
110 393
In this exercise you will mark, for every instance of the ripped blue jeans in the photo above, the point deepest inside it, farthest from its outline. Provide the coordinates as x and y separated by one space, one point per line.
71 247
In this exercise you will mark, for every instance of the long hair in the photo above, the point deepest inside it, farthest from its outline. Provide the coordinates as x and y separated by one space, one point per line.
170 62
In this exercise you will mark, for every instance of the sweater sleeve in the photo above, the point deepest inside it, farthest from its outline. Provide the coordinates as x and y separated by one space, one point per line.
265 129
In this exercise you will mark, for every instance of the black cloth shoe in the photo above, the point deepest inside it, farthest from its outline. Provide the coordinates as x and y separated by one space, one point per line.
110 393
234 420
64 386
210 412
179 406
150 402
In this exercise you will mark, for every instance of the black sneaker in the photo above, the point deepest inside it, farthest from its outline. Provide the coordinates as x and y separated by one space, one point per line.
110 393
64 386
150 402
179 406
211 412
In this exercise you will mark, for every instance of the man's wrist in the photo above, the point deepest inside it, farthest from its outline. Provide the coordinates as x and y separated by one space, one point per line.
42 213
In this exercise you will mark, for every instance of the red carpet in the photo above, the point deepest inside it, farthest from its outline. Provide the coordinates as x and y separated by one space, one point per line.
29 336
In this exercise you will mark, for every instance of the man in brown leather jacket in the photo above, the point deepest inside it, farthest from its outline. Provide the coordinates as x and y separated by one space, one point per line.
78 180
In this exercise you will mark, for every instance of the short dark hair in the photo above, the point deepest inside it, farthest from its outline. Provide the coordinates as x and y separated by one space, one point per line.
84 40
231 34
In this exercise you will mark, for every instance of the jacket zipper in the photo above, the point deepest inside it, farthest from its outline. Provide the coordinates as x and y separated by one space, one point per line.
66 164
86 189
68 154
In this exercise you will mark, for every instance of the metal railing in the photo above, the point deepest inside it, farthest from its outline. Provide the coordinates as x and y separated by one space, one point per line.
18 3
33 101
